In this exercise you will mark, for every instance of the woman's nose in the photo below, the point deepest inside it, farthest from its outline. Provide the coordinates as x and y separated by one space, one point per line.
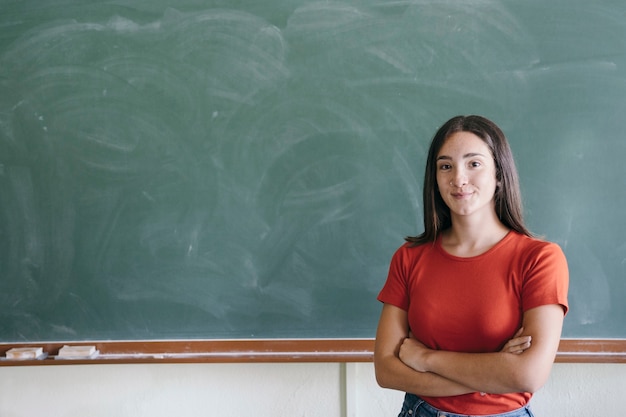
459 179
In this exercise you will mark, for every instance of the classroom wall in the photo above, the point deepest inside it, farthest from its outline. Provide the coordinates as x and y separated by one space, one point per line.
264 390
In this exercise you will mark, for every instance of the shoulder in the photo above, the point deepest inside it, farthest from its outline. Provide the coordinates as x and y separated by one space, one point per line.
407 256
412 250
533 247
537 255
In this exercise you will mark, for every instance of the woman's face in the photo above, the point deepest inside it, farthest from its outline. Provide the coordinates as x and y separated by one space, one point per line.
466 175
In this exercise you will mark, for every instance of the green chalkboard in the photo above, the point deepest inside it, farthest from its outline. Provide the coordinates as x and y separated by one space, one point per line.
245 169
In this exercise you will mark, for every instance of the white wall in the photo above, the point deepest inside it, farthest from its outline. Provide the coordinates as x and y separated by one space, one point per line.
264 390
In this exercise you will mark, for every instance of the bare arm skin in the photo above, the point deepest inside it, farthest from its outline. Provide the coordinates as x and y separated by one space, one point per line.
393 373
499 372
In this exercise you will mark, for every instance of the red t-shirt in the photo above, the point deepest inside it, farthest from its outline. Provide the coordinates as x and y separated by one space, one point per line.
475 304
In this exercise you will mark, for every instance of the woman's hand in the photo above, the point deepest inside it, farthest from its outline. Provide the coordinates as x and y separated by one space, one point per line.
413 353
518 344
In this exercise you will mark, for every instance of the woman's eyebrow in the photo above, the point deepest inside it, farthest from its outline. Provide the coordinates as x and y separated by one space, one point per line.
467 155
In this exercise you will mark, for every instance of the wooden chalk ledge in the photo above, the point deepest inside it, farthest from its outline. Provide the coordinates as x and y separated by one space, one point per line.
272 350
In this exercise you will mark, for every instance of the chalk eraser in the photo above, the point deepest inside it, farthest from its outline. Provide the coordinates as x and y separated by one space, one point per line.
26 353
77 352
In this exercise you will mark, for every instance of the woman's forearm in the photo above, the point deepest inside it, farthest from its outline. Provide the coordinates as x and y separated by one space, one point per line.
480 372
393 374
495 373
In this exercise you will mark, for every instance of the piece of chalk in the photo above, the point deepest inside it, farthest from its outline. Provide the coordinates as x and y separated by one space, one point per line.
25 353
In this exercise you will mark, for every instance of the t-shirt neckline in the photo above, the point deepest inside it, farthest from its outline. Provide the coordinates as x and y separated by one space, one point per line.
447 254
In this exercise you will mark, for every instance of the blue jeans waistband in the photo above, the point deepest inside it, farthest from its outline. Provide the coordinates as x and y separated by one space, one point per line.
414 406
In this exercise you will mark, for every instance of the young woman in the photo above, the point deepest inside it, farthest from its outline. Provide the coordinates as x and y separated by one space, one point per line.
473 307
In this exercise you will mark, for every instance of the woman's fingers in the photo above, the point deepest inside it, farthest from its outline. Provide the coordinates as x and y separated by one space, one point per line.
518 344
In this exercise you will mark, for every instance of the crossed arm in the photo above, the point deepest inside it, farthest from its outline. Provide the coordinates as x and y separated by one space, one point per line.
523 365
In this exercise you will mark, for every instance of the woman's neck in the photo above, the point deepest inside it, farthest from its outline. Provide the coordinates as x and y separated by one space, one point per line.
465 239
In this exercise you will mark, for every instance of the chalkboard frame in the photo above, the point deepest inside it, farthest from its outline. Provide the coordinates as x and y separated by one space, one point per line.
60 145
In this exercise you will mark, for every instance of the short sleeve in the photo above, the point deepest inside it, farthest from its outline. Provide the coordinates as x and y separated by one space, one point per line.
395 291
547 278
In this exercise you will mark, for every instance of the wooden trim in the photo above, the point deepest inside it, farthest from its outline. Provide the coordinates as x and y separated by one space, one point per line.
277 350
210 351
592 351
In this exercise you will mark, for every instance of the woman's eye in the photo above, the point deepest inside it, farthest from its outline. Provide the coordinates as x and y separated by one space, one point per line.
475 164
444 167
